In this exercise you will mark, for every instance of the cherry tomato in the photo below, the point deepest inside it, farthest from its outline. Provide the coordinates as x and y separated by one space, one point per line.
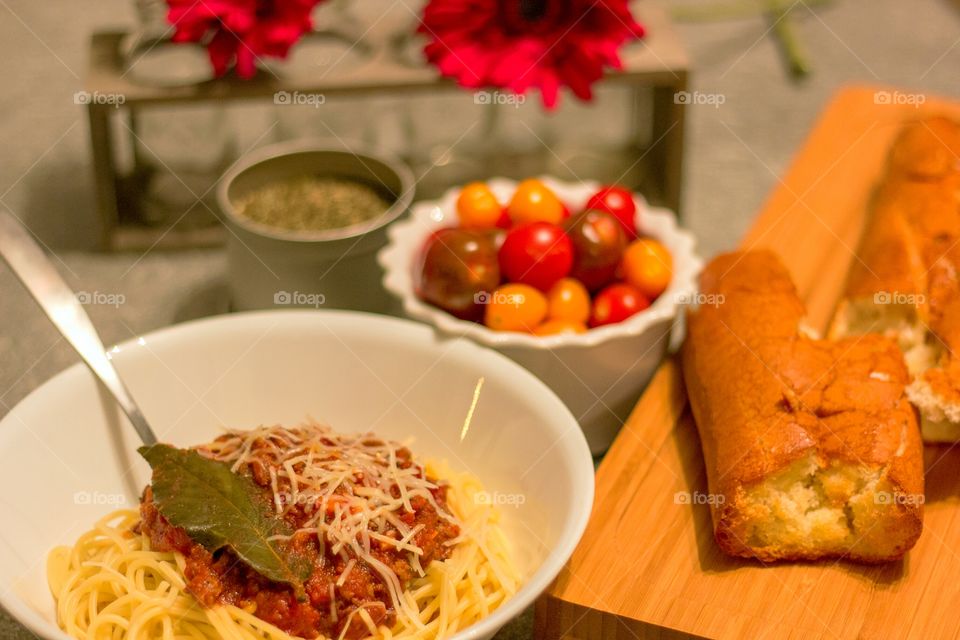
616 303
648 266
555 327
515 307
598 243
504 221
619 202
477 207
569 301
456 268
537 254
533 201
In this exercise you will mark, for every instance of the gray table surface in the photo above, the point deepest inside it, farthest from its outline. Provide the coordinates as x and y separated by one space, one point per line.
735 154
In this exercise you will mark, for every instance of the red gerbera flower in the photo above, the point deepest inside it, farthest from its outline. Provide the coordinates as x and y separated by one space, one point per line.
238 32
518 44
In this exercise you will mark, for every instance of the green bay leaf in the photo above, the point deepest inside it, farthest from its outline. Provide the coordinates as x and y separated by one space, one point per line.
218 508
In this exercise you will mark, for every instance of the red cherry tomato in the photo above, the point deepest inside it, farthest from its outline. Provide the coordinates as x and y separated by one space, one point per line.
537 254
598 243
616 303
618 202
457 269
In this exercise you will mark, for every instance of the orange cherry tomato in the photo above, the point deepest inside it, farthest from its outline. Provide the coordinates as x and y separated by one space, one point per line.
477 207
515 307
648 266
556 327
569 301
533 201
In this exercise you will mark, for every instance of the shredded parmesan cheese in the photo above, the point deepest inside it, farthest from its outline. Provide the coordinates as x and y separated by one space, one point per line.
346 572
350 491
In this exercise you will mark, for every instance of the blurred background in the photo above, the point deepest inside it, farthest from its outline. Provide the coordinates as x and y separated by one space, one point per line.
734 150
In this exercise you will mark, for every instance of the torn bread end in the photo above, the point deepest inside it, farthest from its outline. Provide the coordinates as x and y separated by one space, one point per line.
939 419
898 321
815 510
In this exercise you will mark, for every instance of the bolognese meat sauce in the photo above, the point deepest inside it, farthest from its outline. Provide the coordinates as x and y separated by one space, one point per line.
365 514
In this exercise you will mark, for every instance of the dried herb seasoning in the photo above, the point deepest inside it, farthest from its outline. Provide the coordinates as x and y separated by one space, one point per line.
313 203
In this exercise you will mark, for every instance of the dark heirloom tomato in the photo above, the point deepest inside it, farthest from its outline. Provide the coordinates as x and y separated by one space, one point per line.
618 202
536 254
455 267
598 244
496 235
616 303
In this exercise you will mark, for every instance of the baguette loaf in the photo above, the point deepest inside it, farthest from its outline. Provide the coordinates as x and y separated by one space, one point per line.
811 447
904 282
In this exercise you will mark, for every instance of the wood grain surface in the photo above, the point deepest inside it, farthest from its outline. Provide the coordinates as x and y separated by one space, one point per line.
648 566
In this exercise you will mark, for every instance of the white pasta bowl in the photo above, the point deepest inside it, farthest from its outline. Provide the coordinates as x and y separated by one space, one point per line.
598 374
70 458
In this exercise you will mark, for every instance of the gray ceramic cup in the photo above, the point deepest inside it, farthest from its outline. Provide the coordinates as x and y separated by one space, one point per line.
336 268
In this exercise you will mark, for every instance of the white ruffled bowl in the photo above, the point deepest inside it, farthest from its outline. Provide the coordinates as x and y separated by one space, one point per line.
598 374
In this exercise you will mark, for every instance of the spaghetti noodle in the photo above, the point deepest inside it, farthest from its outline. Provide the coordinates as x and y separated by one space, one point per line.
116 583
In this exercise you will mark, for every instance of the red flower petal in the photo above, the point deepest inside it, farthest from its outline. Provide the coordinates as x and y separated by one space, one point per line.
222 51
490 43
238 32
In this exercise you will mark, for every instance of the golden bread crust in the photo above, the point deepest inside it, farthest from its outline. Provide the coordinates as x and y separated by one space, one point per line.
911 250
766 398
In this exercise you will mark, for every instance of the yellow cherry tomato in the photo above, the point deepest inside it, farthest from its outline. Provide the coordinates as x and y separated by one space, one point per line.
477 207
556 327
648 266
568 300
533 201
515 307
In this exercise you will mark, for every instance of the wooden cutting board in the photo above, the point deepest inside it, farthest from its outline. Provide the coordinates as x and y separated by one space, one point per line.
648 567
